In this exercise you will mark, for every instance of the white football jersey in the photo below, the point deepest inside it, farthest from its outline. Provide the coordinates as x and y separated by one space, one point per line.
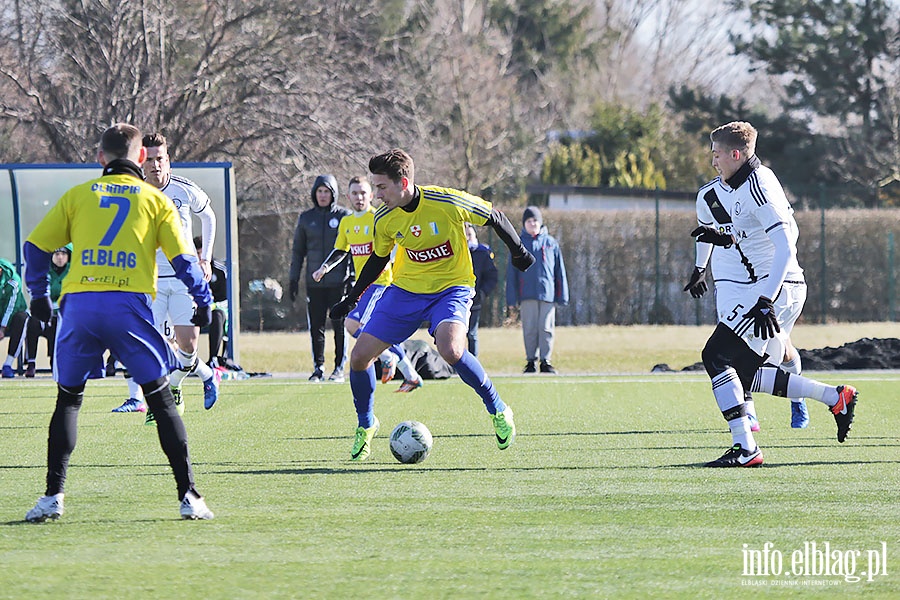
714 210
759 207
188 198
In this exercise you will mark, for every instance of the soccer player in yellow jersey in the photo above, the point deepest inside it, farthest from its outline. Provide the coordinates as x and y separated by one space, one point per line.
433 282
356 233
115 223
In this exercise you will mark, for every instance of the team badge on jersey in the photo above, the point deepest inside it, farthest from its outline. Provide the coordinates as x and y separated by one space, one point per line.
333 223
415 230
356 229
736 209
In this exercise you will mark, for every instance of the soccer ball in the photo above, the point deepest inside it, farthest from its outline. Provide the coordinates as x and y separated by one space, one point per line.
411 442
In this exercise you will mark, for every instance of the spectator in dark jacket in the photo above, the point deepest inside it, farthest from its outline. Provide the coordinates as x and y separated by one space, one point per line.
314 236
485 282
538 290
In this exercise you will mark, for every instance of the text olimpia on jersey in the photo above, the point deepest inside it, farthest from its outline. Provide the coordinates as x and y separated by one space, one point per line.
105 218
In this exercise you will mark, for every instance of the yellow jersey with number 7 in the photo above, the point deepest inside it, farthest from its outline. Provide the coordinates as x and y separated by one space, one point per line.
115 224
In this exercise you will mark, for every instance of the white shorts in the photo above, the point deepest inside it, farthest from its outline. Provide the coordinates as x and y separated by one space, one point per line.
173 305
734 300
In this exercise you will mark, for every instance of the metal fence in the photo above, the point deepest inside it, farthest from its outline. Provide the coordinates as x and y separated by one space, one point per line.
629 267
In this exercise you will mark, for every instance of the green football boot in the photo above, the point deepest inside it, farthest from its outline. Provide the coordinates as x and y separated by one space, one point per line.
362 444
504 428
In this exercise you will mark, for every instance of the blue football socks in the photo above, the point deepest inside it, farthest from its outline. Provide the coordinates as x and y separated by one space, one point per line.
472 373
362 384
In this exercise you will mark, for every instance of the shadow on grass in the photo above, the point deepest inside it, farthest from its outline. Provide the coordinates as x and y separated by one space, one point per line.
531 435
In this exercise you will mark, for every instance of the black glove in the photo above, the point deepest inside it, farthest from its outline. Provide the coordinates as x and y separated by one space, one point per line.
42 309
765 325
294 289
202 316
711 235
697 285
342 308
523 261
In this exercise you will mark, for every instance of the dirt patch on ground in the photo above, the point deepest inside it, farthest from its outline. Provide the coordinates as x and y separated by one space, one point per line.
867 353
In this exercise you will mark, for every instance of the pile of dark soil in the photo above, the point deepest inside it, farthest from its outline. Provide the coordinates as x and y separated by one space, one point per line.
867 353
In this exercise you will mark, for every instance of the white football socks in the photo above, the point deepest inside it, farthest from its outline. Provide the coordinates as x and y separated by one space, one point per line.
730 394
798 386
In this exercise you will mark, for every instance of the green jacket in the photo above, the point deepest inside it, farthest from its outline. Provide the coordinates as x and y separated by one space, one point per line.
12 300
56 278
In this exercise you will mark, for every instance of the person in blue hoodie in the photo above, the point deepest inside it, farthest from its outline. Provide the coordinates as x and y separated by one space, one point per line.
314 236
537 291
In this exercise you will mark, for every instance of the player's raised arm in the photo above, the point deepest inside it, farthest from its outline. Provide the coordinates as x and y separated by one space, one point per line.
521 258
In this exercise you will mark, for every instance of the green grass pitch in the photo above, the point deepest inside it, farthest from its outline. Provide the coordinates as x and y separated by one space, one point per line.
601 496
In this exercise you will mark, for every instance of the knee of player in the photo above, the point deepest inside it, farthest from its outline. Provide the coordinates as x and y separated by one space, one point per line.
361 356
714 360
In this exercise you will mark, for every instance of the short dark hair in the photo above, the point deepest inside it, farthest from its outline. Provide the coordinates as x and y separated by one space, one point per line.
119 140
394 164
154 140
359 179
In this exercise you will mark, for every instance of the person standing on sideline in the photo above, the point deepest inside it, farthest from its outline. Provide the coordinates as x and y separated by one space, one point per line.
13 314
433 281
765 232
356 234
485 281
173 307
314 237
538 291
116 222
59 268
733 275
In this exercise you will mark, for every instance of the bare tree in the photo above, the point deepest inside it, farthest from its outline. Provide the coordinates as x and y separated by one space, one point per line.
278 87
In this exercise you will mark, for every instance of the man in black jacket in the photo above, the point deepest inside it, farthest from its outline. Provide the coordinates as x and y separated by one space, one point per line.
314 237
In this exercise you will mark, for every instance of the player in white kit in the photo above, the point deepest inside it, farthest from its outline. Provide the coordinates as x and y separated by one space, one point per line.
733 274
748 331
173 306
